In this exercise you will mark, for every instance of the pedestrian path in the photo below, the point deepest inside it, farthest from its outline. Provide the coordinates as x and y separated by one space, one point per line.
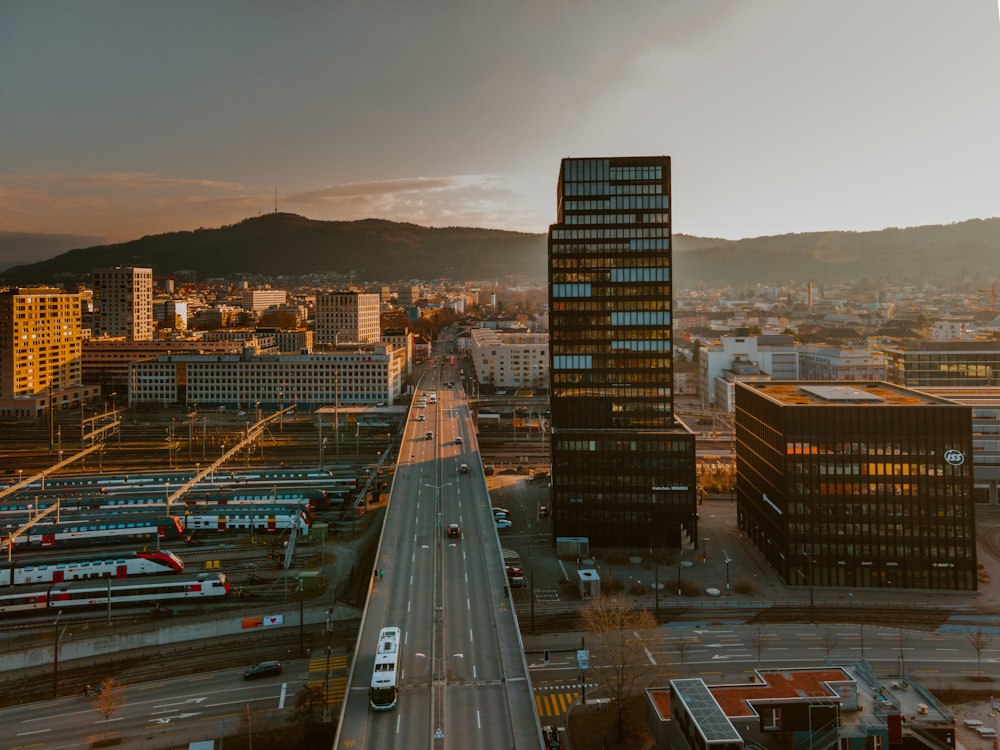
553 701
329 675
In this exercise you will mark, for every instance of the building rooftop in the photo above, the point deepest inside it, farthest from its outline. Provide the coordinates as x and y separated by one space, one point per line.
823 393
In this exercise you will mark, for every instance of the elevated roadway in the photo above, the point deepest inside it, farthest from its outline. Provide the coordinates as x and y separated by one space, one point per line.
463 679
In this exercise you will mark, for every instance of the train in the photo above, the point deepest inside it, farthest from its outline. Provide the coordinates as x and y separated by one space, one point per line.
71 595
135 525
114 528
87 567
316 499
248 517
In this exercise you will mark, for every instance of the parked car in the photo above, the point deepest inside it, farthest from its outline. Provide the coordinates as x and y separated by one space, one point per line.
503 523
263 669
500 511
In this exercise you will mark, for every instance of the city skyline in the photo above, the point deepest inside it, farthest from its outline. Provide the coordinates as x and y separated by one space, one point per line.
779 116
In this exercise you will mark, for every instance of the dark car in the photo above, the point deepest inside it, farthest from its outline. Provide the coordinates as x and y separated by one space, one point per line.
454 530
264 669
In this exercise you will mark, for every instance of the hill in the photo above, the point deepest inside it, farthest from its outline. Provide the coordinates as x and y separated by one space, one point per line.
280 244
283 244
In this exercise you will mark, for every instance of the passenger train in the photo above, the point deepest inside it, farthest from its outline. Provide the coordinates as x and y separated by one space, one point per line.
115 528
69 595
85 567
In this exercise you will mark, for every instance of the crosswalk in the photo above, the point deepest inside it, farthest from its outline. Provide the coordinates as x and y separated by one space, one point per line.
330 677
554 702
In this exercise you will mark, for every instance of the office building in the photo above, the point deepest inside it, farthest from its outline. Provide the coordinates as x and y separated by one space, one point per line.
945 364
363 375
258 300
347 317
623 469
40 341
858 484
720 365
123 302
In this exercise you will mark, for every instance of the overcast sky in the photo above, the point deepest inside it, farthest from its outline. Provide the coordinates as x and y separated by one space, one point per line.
120 119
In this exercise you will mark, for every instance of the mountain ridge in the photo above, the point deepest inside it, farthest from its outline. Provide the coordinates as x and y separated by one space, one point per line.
367 250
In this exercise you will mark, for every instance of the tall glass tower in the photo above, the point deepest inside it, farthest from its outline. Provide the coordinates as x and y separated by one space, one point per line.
623 470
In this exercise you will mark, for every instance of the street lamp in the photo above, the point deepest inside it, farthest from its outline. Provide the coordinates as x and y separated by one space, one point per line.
728 560
704 549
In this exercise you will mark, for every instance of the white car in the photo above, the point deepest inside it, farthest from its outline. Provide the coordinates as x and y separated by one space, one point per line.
503 523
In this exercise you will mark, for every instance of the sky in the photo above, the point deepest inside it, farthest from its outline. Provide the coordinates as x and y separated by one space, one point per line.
121 118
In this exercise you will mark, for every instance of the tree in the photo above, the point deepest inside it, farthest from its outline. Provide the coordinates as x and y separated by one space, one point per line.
621 632
979 641
310 707
109 701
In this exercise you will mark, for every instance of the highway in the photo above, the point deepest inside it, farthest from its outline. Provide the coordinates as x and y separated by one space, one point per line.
463 679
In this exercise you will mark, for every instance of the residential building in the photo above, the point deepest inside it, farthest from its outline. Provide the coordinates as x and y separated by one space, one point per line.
510 360
123 302
40 341
348 316
623 469
857 484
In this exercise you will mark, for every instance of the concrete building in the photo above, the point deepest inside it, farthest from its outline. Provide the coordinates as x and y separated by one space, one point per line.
40 343
945 364
822 708
123 302
764 357
857 484
359 375
348 317
623 468
510 360
258 300
839 363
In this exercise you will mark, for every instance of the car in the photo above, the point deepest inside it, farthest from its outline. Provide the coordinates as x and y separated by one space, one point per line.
500 517
458 440
504 511
263 669
502 523
543 511
513 570
454 530
464 468
429 435
421 418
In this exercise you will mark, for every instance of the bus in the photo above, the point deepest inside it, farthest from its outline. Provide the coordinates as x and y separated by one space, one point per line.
383 692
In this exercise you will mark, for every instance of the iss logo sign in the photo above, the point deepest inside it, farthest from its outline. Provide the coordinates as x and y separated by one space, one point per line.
954 457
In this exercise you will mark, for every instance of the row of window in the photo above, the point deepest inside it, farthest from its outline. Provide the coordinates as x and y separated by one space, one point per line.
613 233
601 169
617 202
590 219
607 188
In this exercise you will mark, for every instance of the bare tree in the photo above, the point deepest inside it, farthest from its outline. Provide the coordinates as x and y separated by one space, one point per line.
829 640
620 636
759 641
109 701
310 708
682 645
979 641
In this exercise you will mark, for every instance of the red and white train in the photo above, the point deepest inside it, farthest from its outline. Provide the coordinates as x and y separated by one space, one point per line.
86 567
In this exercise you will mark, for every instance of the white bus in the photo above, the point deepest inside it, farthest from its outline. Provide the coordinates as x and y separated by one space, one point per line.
383 692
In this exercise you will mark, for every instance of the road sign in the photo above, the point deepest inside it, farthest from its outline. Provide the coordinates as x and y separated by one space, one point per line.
582 658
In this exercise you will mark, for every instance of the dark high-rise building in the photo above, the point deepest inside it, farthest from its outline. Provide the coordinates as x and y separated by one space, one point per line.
857 484
623 470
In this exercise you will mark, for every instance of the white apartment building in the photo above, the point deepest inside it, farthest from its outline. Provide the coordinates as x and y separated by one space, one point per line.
123 302
348 317
510 360
257 300
359 376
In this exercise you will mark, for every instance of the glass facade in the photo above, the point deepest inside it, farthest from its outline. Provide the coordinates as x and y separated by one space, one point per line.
611 369
865 494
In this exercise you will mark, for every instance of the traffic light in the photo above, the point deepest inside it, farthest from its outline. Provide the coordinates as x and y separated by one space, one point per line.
547 656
